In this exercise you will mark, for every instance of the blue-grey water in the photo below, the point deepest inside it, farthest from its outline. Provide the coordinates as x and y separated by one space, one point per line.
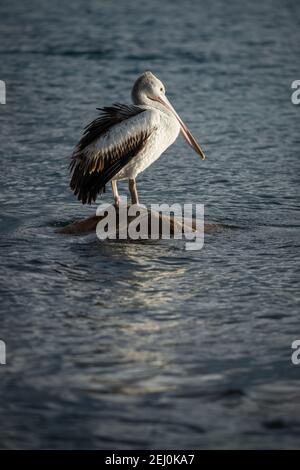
147 345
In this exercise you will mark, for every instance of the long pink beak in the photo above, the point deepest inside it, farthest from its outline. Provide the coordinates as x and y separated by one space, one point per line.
185 131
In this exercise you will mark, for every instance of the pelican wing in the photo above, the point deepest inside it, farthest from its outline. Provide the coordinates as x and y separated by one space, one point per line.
108 144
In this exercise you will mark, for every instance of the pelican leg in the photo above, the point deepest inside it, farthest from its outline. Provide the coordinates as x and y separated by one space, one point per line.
133 191
115 193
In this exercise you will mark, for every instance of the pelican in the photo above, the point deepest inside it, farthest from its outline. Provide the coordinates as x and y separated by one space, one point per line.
124 140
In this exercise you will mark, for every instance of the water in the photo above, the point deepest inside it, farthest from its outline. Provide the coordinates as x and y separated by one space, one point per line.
146 345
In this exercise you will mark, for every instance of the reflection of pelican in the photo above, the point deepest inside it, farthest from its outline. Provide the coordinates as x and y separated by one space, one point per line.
124 140
134 287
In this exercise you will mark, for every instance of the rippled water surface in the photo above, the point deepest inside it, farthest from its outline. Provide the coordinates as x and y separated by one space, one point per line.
147 345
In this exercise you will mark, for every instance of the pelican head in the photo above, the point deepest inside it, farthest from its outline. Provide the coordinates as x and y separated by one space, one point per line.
149 90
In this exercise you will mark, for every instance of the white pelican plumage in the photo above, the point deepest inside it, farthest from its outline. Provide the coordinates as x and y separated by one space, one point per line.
125 139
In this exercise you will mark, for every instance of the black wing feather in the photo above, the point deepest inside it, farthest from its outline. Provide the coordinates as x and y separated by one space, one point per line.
109 117
89 177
